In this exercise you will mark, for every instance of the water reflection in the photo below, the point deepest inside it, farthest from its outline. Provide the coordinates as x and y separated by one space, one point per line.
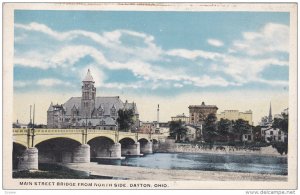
207 162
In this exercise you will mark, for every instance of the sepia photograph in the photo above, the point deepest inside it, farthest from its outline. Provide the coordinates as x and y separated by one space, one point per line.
149 96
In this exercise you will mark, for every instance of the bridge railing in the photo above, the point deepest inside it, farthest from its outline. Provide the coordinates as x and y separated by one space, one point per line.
22 131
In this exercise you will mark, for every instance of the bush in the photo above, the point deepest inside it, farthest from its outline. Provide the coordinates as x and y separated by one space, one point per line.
281 147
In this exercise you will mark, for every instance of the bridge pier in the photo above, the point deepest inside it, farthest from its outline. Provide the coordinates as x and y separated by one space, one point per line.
131 150
29 160
155 147
146 148
115 151
109 152
81 154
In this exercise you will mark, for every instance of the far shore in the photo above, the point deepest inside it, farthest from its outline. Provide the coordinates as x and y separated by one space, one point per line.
182 148
141 173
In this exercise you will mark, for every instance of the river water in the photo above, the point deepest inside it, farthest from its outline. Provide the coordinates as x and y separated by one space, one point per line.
207 162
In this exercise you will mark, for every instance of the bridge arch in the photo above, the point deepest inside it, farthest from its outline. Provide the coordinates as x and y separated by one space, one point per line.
142 140
58 149
20 142
99 135
129 146
40 139
127 140
100 146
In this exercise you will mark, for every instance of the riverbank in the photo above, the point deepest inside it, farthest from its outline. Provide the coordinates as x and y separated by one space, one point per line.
171 147
140 173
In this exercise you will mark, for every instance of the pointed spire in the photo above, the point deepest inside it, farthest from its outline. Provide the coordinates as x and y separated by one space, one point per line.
50 107
88 77
270 113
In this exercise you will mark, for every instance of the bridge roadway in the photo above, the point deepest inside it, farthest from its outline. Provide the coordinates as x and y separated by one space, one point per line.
77 145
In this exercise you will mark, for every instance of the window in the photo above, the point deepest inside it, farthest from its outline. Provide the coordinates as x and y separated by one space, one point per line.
279 132
102 122
271 132
113 111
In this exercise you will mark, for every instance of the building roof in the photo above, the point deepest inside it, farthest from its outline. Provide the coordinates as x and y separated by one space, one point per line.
105 103
203 106
50 109
108 121
180 115
88 77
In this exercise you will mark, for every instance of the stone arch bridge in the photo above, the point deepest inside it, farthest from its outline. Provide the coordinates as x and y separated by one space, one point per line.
77 145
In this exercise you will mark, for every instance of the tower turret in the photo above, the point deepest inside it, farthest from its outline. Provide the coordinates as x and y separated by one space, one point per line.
88 96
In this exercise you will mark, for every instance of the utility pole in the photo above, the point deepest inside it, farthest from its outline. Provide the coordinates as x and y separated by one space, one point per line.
29 129
85 136
32 139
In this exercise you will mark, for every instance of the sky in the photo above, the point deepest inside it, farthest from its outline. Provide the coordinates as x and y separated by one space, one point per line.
235 60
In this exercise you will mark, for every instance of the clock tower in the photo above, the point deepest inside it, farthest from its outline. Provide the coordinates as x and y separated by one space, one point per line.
88 96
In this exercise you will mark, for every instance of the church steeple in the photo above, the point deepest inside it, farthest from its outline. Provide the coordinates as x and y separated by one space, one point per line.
270 114
88 95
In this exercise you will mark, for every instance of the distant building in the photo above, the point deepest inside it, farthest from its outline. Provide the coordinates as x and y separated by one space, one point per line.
147 127
235 115
181 117
164 129
270 134
247 137
198 113
20 125
267 120
89 110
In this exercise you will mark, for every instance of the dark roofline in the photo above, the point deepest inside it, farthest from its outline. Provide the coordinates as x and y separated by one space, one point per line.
202 106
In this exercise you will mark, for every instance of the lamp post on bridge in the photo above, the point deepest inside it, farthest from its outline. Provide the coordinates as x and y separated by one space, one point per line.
84 132
117 133
136 134
150 134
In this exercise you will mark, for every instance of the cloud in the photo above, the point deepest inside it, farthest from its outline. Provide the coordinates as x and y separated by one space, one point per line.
50 82
193 54
21 84
136 85
215 42
270 39
153 66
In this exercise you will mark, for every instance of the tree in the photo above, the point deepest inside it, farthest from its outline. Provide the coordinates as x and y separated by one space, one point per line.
281 123
125 119
241 127
177 130
257 133
225 127
210 128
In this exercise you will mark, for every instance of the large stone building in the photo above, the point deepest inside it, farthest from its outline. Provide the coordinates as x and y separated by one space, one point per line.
89 110
235 115
198 113
181 117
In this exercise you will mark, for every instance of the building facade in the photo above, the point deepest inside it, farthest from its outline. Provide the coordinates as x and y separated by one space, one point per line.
181 117
270 134
235 115
198 113
88 110
147 127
